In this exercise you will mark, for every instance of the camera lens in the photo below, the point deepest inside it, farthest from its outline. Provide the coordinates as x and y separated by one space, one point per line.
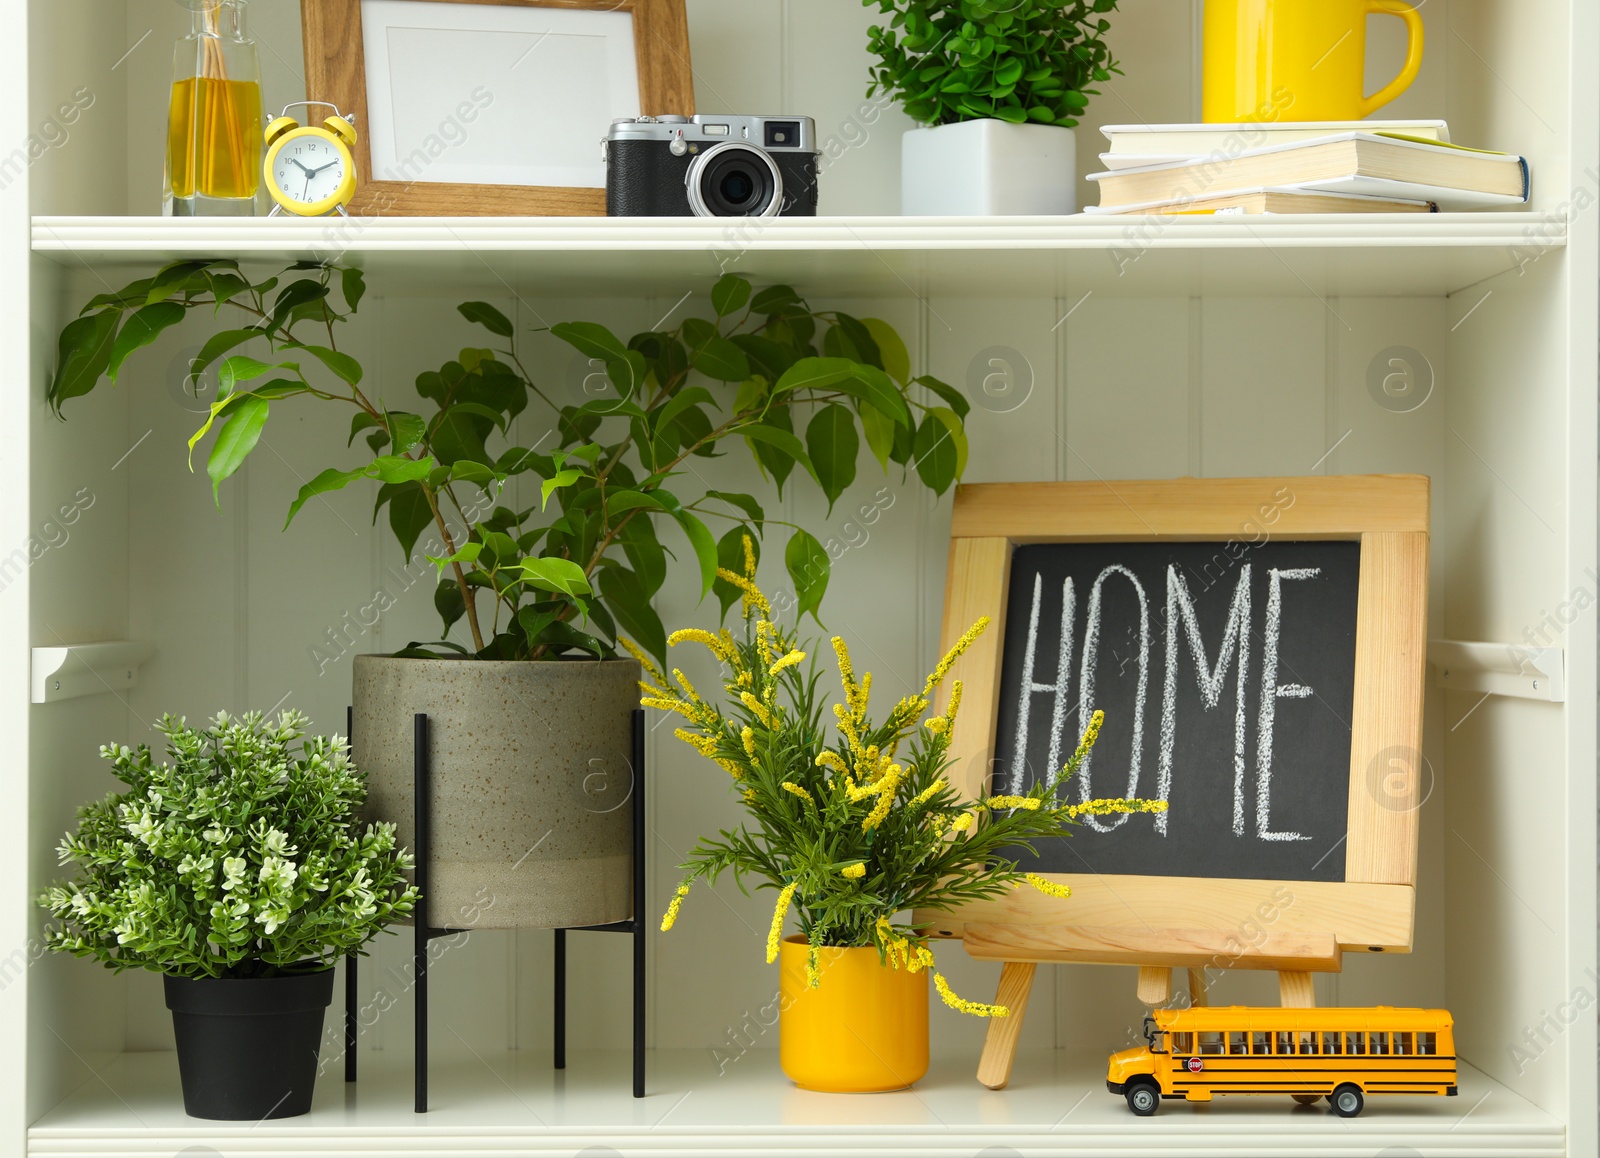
734 180
782 134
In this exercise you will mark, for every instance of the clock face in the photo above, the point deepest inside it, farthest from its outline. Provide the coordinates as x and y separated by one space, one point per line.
308 169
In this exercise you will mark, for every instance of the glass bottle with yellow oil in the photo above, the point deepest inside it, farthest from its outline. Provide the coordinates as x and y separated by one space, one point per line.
214 119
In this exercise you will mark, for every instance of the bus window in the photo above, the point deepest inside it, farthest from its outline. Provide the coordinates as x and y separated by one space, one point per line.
1427 1044
1403 1044
1210 1043
1331 1043
1379 1043
1355 1043
1182 1042
1308 1042
1236 1042
1260 1042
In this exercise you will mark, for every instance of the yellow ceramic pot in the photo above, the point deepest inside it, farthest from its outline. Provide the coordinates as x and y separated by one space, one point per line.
862 1031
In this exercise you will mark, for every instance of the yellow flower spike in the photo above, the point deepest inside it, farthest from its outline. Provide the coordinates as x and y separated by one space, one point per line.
955 704
938 725
1000 803
650 689
705 745
758 709
1048 888
752 598
846 672
1111 807
778 912
731 768
854 872
885 789
645 661
813 969
749 557
683 681
863 693
962 822
747 737
794 789
926 794
669 706
961 1005
848 728
832 761
1090 735
671 917
749 796
856 792
746 679
954 654
789 660
939 822
713 643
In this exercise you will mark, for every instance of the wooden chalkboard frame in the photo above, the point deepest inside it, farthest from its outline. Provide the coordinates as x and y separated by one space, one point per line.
1200 922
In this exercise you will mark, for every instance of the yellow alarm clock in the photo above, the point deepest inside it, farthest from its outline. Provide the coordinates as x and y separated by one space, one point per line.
309 169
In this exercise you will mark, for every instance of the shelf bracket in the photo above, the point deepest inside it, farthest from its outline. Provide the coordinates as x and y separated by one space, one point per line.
1501 669
86 669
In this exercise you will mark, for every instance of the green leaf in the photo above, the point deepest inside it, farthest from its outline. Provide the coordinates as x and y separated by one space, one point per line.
410 513
218 345
705 547
467 553
473 472
871 384
808 567
681 401
781 440
407 429
171 279
957 400
488 317
880 433
235 441
396 468
896 359
341 364
730 294
592 339
142 328
449 602
354 284
328 480
560 575
775 299
831 438
935 454
564 478
359 422
720 359
744 502
627 598
82 354
240 368
814 374
958 435
619 501
291 297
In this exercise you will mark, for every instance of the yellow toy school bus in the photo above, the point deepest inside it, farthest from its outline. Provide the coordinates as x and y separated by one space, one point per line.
1340 1054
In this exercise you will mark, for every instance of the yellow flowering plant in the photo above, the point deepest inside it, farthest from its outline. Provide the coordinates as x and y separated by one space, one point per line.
853 828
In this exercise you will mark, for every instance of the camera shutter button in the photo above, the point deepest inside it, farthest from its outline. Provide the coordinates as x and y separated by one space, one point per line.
679 146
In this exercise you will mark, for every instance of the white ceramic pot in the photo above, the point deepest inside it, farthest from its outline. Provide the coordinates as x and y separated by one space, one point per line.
988 168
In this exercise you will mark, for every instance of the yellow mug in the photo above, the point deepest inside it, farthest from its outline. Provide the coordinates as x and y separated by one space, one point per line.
1297 60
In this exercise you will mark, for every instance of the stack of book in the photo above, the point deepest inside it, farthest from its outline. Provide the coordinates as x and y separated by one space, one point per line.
1302 167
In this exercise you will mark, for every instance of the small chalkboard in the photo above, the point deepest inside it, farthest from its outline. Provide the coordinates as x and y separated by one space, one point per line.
1258 647
1226 675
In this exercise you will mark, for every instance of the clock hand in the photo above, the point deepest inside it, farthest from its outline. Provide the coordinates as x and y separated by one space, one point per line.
303 169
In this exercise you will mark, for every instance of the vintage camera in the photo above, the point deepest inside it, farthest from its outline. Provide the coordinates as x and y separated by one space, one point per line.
712 166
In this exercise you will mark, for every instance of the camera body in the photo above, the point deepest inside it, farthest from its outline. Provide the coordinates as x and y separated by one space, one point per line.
712 166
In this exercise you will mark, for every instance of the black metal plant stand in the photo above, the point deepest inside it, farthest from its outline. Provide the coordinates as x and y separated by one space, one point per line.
423 932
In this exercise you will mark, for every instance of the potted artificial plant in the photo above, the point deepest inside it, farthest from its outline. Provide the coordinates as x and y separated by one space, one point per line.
998 86
850 832
548 551
240 871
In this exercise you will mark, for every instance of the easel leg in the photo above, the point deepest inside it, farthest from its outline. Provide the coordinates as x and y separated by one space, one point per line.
560 1019
1295 991
1197 988
1155 984
352 999
1000 1046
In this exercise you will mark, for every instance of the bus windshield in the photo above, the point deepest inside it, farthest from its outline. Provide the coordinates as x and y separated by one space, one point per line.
1151 1033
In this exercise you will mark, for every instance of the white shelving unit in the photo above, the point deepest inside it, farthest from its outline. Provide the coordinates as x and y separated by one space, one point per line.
1121 349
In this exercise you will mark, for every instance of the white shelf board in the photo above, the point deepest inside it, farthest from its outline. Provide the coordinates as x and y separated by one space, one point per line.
507 1103
1501 669
86 669
1365 254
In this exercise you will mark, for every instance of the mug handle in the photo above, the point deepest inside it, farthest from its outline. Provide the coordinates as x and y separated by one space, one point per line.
1408 73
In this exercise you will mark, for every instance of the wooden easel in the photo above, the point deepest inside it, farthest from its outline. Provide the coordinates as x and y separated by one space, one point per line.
1295 957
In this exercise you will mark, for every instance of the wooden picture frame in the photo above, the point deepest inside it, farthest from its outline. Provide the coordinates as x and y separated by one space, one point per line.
1158 922
336 71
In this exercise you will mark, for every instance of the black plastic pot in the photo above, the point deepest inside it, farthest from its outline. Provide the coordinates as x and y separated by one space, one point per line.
247 1049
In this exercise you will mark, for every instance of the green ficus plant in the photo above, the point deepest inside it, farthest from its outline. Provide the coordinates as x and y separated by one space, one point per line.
571 573
1014 60
239 858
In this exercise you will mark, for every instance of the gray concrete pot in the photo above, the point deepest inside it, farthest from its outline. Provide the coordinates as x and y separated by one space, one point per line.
531 783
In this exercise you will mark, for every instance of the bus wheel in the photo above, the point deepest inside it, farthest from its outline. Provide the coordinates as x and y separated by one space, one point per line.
1347 1101
1306 1099
1143 1098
